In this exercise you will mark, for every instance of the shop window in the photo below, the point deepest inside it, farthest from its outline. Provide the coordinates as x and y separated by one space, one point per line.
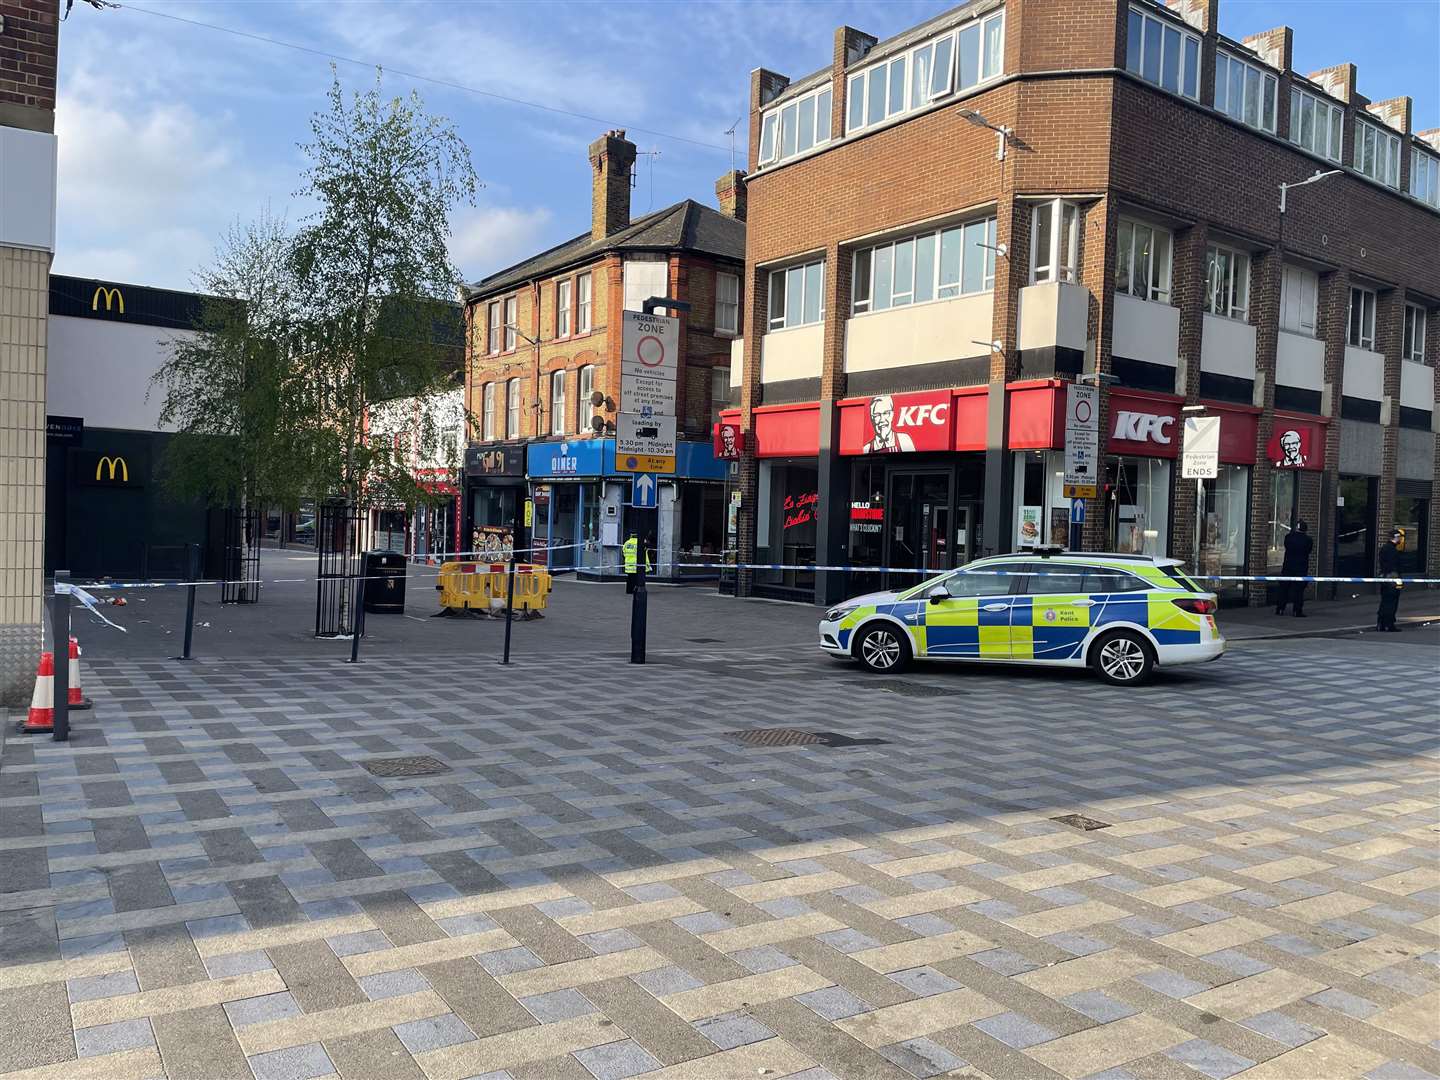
1140 505
1412 513
1284 510
788 500
1355 527
1054 241
702 524
1223 536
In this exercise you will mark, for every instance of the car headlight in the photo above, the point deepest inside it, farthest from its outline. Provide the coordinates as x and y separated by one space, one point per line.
835 614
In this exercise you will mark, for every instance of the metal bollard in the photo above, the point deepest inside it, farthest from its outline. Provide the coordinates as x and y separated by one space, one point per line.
60 632
194 572
357 620
509 608
639 603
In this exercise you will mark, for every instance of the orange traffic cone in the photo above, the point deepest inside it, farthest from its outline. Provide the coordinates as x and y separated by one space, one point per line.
42 701
75 698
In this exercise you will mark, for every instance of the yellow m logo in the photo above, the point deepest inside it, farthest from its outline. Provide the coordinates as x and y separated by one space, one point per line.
112 296
113 463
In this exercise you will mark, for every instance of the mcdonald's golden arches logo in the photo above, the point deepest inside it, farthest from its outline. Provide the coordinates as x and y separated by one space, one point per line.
112 296
113 463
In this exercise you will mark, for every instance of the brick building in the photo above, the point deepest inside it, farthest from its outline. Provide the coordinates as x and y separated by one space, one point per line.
948 227
29 44
543 373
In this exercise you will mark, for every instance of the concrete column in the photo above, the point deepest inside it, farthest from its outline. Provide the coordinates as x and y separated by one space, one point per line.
1187 284
1265 278
1097 273
832 524
1331 319
1389 333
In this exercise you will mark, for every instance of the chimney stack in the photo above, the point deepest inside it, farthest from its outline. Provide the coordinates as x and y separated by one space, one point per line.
730 194
612 156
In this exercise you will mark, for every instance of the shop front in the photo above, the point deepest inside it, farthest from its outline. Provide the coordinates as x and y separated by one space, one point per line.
494 518
1296 452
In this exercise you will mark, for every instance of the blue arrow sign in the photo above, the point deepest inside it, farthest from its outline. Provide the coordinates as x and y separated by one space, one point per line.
642 490
1077 511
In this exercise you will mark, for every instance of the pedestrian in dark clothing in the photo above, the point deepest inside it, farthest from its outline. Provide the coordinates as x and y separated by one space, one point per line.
1298 546
1389 566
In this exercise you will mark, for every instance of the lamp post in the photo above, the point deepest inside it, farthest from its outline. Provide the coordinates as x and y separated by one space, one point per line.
1002 132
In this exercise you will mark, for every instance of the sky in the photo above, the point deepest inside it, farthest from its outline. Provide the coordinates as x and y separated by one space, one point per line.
169 132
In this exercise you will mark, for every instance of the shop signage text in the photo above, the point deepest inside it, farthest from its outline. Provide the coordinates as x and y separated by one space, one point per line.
865 518
800 509
900 424
495 461
1143 427
70 429
1200 457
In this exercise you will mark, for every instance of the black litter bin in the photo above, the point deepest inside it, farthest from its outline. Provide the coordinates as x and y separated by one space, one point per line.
385 583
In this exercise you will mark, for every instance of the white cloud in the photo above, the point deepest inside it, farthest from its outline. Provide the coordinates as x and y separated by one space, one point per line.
487 239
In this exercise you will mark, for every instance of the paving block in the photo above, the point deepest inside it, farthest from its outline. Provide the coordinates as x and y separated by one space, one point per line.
112 1038
292 1063
616 1061
733 1029
433 1032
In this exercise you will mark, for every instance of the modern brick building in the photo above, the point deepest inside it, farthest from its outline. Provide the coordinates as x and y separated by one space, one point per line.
948 227
543 374
29 44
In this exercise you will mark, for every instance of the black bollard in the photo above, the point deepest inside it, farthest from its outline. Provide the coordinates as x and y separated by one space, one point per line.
639 602
357 620
194 570
509 608
60 633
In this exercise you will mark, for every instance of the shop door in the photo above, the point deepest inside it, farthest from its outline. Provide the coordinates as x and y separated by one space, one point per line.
918 526
967 532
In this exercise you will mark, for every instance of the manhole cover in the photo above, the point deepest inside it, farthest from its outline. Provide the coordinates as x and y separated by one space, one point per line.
1080 821
405 766
796 737
910 689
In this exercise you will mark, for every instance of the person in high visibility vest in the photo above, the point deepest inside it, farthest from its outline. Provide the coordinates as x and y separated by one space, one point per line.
631 550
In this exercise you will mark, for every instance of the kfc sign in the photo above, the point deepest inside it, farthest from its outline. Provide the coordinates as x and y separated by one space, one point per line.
897 423
729 440
1294 445
1143 427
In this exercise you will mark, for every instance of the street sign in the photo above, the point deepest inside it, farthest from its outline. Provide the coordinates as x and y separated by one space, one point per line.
642 491
645 426
1082 439
1077 512
1200 453
1080 491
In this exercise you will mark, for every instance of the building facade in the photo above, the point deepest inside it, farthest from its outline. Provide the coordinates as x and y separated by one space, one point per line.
543 377
29 45
947 228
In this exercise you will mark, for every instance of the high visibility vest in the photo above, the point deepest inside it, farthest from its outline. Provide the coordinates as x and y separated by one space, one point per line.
631 549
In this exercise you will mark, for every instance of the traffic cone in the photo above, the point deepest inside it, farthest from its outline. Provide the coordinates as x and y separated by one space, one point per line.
42 701
76 699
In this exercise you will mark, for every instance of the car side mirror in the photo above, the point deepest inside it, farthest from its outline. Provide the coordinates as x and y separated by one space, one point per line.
938 594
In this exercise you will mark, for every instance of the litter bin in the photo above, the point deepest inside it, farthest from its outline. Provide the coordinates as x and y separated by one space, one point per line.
385 583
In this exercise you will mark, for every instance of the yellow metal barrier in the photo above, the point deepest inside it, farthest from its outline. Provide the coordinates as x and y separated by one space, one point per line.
481 588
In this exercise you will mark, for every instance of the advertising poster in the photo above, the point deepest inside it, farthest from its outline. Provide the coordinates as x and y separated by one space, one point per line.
1027 530
493 543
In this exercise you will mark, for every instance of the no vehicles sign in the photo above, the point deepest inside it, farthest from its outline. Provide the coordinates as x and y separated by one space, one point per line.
645 428
649 345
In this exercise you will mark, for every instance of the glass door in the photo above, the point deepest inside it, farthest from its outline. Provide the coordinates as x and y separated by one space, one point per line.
918 526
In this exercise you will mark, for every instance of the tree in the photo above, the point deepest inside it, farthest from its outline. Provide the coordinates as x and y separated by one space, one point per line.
311 327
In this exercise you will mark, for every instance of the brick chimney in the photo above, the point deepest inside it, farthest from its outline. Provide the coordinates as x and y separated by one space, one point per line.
612 156
730 194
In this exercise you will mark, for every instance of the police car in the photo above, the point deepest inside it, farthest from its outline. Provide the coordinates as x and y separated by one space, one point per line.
1120 614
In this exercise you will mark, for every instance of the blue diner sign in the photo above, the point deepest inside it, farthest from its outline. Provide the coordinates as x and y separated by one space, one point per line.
596 457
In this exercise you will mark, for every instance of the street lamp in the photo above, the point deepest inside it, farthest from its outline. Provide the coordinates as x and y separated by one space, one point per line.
1002 132
1318 176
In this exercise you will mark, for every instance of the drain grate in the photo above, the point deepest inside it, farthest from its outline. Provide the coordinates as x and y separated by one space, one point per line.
405 766
1080 821
906 688
796 737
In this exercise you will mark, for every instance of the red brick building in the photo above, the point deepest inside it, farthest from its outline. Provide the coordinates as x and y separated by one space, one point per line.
542 373
948 227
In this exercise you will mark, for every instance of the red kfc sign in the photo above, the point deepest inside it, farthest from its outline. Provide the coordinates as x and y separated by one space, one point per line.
1296 444
897 423
729 440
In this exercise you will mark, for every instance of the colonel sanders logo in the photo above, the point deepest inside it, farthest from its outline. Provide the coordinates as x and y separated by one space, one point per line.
1292 450
727 442
884 439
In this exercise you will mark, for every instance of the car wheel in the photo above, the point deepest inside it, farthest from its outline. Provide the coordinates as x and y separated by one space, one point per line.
883 648
1123 658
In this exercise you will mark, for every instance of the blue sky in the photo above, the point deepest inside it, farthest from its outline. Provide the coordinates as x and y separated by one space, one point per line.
170 131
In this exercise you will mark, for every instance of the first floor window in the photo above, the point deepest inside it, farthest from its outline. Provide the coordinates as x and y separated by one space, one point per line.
1227 282
509 324
1299 289
1362 319
562 309
1160 52
939 265
1054 242
795 126
797 295
1245 92
1377 153
557 403
512 409
1316 124
492 326
487 412
582 304
582 398
1142 261
727 304
1425 177
1414 346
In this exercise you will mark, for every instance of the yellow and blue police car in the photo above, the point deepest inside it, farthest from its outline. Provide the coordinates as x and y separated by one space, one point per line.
1122 615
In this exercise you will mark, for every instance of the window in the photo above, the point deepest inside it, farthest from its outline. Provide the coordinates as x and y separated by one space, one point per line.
1316 124
512 409
1362 319
582 304
583 409
795 126
935 265
1161 53
958 60
562 309
1414 346
1425 177
487 412
1377 153
797 296
645 278
557 403
509 324
1142 261
492 326
727 304
996 579
1227 282
1245 92
1054 242
719 391
1299 290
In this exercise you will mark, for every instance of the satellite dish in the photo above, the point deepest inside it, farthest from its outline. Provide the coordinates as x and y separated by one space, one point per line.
597 399
597 424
